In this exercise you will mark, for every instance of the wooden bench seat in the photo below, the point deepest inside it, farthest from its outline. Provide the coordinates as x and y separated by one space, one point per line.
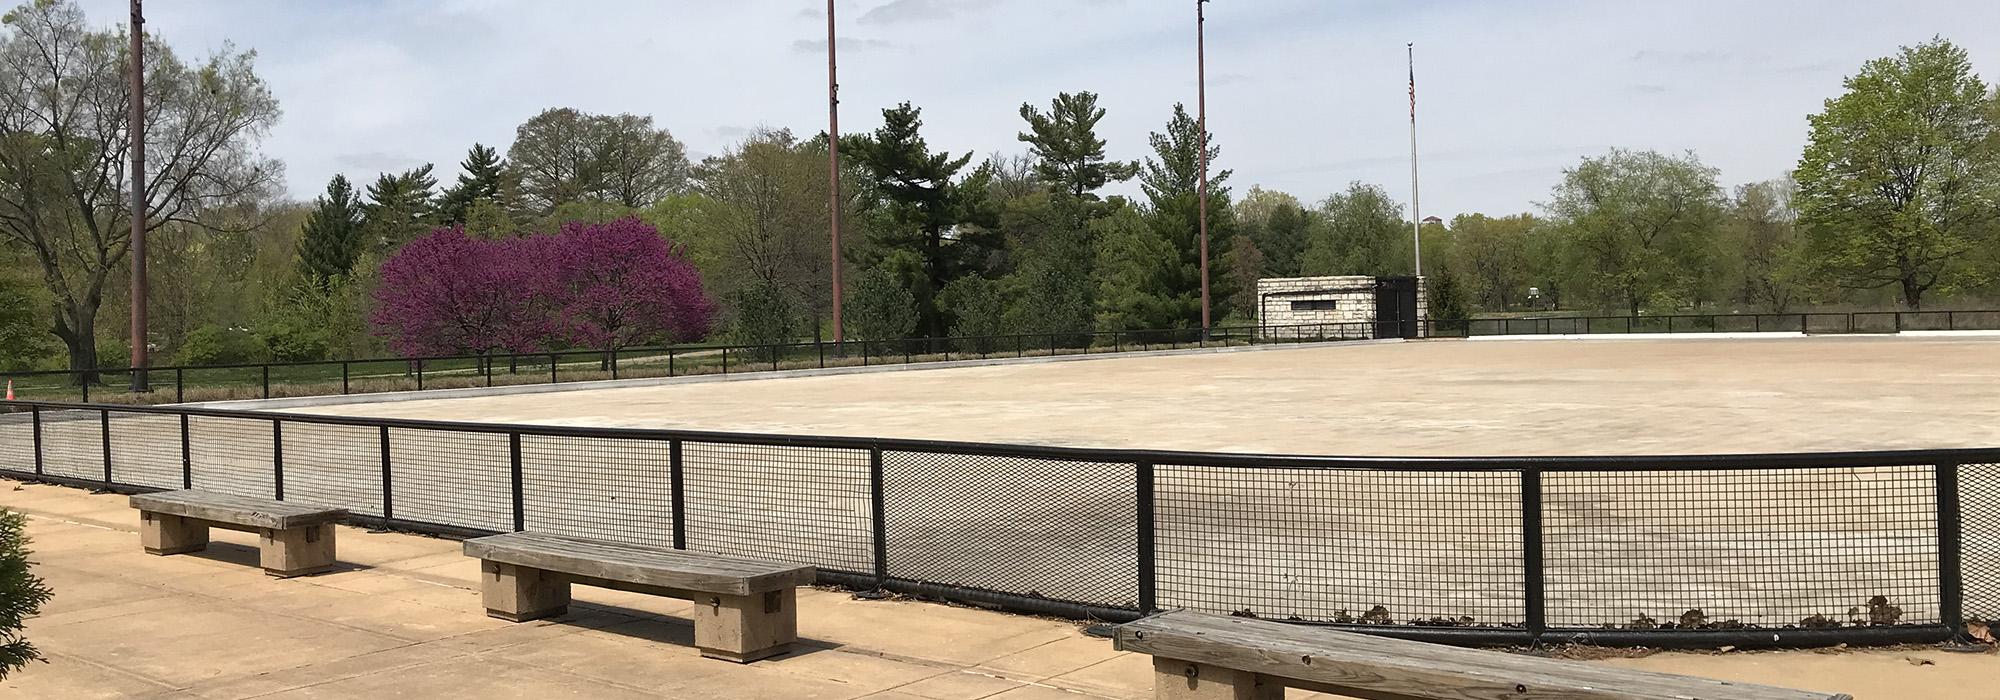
745 609
293 539
1199 656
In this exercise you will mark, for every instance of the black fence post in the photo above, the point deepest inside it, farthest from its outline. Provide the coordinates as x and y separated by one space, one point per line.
876 510
420 374
821 347
677 478
278 459
1951 577
1147 587
552 368
187 455
180 387
614 364
388 500
267 380
670 362
35 417
776 350
514 468
725 360
343 377
86 387
1531 552
104 426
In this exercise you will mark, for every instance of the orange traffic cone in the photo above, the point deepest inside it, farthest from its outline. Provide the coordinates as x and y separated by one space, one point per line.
10 390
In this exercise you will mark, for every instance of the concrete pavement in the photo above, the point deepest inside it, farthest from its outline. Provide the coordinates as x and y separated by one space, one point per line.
401 617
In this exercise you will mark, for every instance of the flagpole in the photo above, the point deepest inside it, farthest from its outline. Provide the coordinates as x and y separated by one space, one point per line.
833 171
1416 215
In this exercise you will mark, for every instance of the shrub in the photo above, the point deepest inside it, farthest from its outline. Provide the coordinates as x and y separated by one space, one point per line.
22 594
215 345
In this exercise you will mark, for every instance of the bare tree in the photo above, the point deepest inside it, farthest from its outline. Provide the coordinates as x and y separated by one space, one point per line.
64 144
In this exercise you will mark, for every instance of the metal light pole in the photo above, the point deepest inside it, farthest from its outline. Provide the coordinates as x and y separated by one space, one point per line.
1201 111
137 127
833 164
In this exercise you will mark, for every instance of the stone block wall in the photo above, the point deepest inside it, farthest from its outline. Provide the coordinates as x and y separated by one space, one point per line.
1344 303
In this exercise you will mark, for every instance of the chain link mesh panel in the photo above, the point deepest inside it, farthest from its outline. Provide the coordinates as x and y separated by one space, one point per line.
72 444
231 455
17 441
337 466
1042 528
1979 537
808 505
611 489
452 478
146 449
1723 549
1341 545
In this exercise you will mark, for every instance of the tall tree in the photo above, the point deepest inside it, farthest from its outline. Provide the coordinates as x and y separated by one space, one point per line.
1493 258
331 240
63 143
1763 237
1068 154
399 208
1900 178
638 163
1642 225
1170 180
927 200
1278 225
1139 276
1359 232
480 179
760 224
555 158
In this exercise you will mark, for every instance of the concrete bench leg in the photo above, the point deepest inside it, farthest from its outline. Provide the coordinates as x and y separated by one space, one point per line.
171 534
519 594
297 551
747 628
1174 679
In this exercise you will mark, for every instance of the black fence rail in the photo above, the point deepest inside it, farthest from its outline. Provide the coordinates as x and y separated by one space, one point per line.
1789 549
183 383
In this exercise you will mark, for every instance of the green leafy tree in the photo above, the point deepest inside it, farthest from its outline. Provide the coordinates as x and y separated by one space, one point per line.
1069 156
978 308
1050 255
1137 267
1641 225
399 209
881 306
935 213
22 594
481 178
1445 299
1762 235
1900 179
1279 227
763 314
331 240
1359 232
637 163
64 147
23 342
1492 257
565 155
1170 180
758 220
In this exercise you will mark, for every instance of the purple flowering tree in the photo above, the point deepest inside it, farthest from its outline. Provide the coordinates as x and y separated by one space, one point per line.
620 284
599 286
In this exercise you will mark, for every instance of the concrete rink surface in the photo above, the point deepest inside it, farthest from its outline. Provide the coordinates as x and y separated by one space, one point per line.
1433 398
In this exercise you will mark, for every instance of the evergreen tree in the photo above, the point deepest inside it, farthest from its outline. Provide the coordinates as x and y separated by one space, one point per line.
22 594
881 307
1069 156
330 241
481 180
1137 276
399 208
1170 181
926 200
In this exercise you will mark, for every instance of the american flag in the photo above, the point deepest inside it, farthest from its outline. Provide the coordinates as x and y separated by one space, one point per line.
1413 82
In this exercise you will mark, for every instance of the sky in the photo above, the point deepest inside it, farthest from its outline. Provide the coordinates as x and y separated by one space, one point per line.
1304 96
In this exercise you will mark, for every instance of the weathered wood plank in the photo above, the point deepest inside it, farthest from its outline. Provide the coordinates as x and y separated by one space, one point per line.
242 511
663 567
1368 666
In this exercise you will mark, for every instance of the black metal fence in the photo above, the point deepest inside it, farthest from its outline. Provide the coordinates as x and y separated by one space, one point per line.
1795 549
181 383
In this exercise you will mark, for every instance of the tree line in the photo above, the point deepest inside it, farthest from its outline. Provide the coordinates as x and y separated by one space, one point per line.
1893 202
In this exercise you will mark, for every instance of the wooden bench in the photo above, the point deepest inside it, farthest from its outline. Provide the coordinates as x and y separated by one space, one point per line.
745 609
293 539
1198 656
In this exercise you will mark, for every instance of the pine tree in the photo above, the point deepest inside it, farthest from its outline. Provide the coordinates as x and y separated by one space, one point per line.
1069 156
1171 183
480 180
331 239
926 198
399 208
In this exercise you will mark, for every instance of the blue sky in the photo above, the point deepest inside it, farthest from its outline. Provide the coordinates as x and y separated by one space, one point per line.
1304 95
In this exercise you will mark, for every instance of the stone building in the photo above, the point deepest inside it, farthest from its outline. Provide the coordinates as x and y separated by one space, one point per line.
1347 306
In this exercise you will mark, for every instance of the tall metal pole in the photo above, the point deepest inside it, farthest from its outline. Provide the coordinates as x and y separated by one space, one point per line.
833 164
1201 110
137 127
1416 215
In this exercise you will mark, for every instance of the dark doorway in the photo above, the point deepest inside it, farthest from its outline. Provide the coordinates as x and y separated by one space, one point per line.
1396 307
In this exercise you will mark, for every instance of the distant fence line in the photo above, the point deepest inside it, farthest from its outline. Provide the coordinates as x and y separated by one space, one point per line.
1795 549
371 375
